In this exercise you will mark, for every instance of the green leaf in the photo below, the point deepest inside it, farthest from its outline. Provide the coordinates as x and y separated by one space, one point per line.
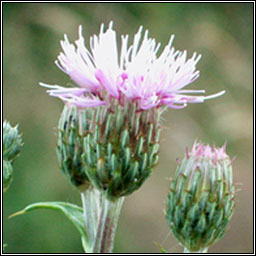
72 212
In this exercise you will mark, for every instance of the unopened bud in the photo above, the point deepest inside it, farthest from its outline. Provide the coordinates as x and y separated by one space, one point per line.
11 148
201 199
11 141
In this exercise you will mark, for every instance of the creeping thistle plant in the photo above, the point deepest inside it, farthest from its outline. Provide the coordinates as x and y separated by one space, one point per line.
108 133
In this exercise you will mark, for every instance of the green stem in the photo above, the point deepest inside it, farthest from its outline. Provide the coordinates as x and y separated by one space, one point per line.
108 219
204 250
101 217
91 200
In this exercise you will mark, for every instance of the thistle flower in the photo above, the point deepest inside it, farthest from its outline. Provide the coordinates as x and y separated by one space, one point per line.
201 199
118 101
11 147
137 76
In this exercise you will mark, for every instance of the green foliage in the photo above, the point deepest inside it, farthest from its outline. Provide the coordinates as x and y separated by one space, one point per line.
73 212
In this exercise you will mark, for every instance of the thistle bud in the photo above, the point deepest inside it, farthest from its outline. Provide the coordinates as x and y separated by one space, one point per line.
11 147
201 199
113 148
11 141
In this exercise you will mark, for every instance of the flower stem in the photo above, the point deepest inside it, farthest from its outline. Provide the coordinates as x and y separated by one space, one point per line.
204 250
91 200
107 224
101 216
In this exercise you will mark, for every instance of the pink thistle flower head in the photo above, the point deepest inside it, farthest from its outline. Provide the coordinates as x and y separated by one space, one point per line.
113 114
205 152
136 74
213 163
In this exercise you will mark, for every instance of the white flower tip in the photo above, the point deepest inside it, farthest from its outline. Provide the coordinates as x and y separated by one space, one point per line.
49 86
198 57
80 30
66 37
157 47
101 28
221 93
110 26
44 85
140 29
171 40
214 95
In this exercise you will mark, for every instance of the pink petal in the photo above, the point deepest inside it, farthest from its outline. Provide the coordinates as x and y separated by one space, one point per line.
83 101
107 83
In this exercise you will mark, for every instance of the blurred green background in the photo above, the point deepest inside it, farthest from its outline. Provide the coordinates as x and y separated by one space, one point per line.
221 32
